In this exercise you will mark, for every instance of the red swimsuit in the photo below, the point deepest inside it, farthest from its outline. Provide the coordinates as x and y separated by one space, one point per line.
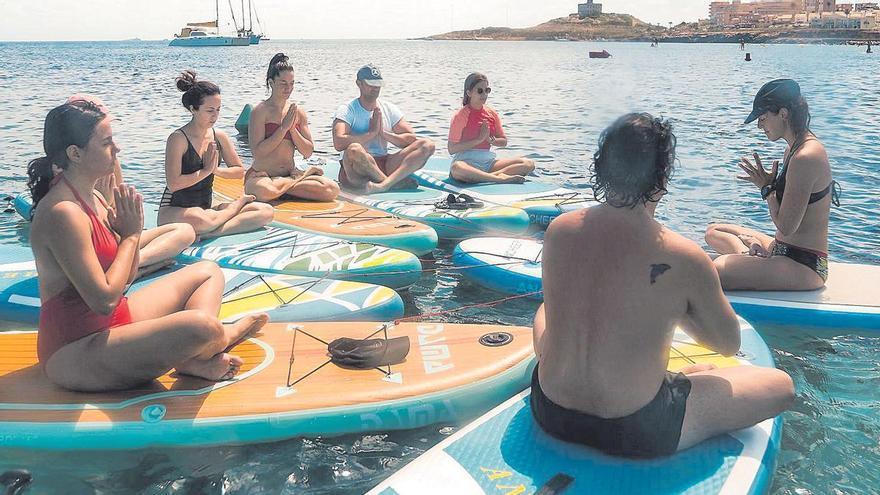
66 317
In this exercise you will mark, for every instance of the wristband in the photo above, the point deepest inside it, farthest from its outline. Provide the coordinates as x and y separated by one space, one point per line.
767 190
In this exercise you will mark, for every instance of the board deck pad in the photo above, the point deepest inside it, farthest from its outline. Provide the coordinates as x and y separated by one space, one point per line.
505 451
542 201
284 297
286 388
341 219
291 252
420 204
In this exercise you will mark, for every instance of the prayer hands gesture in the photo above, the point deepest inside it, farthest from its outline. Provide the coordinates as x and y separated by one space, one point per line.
376 122
211 159
126 216
755 173
290 118
484 131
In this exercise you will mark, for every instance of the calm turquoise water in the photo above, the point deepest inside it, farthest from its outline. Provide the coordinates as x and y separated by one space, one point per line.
554 102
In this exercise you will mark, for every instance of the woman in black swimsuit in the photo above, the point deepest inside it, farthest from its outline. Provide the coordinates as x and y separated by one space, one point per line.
799 197
192 158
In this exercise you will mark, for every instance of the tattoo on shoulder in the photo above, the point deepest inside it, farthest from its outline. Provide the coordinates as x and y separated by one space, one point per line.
657 270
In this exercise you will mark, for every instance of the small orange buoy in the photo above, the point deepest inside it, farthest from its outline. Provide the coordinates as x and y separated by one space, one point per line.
748 57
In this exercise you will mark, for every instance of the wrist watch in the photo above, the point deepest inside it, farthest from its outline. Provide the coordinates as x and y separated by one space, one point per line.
767 190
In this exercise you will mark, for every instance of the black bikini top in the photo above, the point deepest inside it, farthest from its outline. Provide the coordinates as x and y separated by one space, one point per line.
779 184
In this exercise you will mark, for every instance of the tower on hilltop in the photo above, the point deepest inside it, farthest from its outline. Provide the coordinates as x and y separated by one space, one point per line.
589 9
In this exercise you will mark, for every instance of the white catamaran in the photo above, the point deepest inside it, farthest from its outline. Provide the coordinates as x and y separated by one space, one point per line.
208 33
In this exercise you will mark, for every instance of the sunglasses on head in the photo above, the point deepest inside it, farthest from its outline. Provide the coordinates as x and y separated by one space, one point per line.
481 91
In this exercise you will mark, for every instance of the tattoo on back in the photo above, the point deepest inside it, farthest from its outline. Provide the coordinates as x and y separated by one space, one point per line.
657 270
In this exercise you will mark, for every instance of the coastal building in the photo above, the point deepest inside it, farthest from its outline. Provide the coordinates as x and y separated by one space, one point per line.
589 9
836 20
750 14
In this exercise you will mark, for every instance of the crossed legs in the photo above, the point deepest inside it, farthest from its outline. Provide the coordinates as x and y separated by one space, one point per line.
503 170
364 173
241 215
741 271
313 187
174 325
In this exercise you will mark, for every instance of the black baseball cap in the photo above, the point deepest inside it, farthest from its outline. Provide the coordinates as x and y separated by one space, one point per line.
775 94
370 75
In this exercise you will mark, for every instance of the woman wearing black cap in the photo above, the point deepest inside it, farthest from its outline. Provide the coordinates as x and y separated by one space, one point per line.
799 196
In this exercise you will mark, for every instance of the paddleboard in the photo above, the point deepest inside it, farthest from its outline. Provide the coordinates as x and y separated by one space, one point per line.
511 266
543 202
506 452
286 388
244 119
283 297
341 219
421 204
850 299
290 252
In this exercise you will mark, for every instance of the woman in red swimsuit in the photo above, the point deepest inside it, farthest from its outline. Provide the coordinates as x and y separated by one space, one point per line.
159 245
274 172
91 337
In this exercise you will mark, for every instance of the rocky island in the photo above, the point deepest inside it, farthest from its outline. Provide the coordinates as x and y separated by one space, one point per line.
624 27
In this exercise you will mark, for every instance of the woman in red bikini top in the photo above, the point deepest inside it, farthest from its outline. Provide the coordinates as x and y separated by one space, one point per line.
91 337
273 173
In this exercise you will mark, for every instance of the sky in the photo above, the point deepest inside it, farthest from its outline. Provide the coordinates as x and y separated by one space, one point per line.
26 20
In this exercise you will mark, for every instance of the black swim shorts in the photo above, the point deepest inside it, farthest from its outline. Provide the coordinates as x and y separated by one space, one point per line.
652 431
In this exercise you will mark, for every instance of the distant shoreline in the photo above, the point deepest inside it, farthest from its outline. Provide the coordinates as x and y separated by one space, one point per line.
624 27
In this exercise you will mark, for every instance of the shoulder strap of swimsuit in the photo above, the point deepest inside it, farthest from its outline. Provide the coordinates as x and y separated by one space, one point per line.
101 199
794 149
76 195
187 140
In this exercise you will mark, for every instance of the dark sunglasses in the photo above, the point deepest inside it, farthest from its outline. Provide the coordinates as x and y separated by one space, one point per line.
481 91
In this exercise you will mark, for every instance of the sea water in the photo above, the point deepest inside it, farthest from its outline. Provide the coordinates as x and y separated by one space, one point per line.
553 102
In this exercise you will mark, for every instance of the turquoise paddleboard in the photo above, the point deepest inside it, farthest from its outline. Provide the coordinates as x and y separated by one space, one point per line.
284 297
850 299
244 119
277 250
506 452
543 202
421 204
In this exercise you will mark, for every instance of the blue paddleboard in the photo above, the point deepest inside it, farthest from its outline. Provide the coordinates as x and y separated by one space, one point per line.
506 452
283 297
543 202
288 252
421 204
850 299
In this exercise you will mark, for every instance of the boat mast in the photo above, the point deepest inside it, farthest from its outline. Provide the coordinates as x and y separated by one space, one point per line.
217 16
250 16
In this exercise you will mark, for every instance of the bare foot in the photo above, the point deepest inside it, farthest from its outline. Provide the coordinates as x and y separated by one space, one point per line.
511 179
238 203
221 366
696 368
243 200
373 187
246 327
